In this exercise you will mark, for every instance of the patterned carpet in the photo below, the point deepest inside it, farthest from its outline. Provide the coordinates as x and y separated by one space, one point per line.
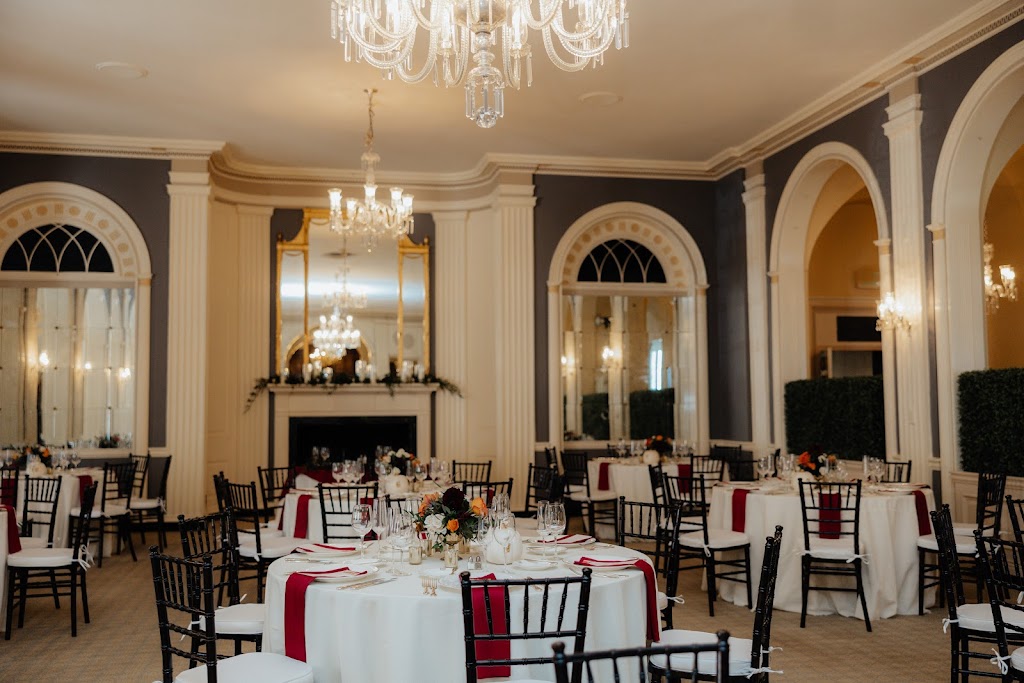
122 645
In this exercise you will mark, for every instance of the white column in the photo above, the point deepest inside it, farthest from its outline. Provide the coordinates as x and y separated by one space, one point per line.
892 439
140 437
253 344
757 313
618 408
451 331
515 330
778 409
913 371
186 339
703 421
944 379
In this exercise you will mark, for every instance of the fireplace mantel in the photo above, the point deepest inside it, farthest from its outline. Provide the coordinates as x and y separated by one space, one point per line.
349 400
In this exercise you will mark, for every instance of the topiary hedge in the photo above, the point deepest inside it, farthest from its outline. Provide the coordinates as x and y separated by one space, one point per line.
650 413
991 406
595 416
845 416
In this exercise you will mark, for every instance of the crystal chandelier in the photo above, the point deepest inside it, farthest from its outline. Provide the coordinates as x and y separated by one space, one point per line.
890 314
383 33
336 335
369 219
1004 288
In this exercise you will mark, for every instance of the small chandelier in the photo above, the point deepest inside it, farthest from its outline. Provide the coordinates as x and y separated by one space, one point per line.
890 314
336 335
1004 288
369 219
384 34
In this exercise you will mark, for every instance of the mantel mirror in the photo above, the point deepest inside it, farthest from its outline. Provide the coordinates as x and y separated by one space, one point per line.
624 350
358 312
67 341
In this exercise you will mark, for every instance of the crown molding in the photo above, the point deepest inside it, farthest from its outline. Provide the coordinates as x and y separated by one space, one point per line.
106 145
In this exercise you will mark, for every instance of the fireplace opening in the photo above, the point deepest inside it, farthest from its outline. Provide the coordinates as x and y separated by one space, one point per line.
348 437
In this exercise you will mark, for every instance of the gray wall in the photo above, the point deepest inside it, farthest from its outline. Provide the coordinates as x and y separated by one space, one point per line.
713 214
139 186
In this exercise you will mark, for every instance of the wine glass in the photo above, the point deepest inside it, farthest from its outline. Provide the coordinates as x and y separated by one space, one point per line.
764 466
361 523
325 455
503 530
419 471
6 457
76 459
620 448
542 515
500 506
555 521
379 525
400 531
337 471
787 467
314 456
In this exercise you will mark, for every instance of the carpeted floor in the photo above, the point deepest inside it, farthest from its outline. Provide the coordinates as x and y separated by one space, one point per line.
122 645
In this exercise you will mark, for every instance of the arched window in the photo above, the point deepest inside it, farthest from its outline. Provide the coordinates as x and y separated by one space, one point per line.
621 260
57 248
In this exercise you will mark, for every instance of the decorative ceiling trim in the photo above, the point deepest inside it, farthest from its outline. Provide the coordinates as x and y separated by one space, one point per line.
106 145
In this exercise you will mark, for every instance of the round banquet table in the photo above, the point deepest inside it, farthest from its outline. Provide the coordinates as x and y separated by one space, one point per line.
393 632
627 477
3 567
888 537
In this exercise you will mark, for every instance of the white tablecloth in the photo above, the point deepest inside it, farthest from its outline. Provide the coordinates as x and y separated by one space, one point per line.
315 524
3 569
888 536
629 479
69 498
392 632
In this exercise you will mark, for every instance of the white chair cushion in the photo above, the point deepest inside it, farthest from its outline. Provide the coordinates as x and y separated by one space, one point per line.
32 542
963 546
978 617
968 530
146 504
1017 659
831 548
691 522
238 620
739 653
272 547
41 557
581 496
268 530
113 510
717 539
662 601
253 667
577 488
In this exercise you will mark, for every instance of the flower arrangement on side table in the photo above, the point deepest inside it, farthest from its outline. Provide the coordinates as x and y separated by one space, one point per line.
659 443
449 517
19 457
399 461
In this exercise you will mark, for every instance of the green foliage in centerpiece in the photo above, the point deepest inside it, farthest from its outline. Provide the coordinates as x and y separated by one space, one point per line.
991 407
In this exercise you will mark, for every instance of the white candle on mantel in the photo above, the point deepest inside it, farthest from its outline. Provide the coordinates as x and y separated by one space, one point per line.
109 412
865 462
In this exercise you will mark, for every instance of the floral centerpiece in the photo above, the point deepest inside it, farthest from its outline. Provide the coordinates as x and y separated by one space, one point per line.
815 461
109 441
449 517
399 461
659 443
20 456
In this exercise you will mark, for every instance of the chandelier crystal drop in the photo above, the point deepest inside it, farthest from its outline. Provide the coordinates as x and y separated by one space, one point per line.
368 218
1003 288
482 43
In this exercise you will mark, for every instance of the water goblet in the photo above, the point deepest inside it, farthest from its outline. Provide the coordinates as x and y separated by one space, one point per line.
314 456
76 459
379 525
400 531
555 522
337 471
764 466
419 471
361 523
502 532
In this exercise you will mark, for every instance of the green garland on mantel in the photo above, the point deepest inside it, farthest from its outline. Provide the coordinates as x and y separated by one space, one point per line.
341 379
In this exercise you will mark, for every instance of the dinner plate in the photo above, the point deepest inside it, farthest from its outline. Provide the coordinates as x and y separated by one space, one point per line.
316 552
365 572
528 565
451 581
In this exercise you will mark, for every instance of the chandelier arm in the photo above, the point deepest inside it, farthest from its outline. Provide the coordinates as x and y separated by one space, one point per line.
429 64
391 36
512 76
565 39
557 59
424 22
538 24
559 27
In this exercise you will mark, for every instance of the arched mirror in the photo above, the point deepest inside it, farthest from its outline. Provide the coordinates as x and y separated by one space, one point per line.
74 304
362 313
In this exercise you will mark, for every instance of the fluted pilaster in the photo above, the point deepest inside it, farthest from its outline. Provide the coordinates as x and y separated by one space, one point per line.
253 345
913 372
516 421
451 331
757 313
186 339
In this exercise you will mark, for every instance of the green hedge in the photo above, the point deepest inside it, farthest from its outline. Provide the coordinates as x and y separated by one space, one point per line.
992 420
595 416
650 413
845 416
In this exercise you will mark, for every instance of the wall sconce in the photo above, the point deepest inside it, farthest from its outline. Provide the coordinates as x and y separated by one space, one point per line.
603 321
124 374
44 360
610 357
890 314
567 366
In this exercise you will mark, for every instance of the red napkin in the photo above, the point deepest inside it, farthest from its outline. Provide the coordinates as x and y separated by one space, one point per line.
924 526
685 480
653 617
829 515
322 476
305 549
602 476
9 492
739 509
13 542
302 517
295 611
84 482
491 649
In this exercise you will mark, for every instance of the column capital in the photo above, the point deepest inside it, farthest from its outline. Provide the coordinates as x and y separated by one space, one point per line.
255 211
938 231
904 116
884 246
754 187
515 196
194 183
457 217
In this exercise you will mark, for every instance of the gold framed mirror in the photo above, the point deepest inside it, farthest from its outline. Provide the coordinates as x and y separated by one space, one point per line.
390 286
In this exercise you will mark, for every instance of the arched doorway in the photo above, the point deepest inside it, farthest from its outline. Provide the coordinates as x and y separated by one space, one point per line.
986 132
1003 235
624 262
832 181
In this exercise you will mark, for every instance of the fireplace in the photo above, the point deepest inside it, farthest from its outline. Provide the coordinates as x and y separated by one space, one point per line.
349 420
348 437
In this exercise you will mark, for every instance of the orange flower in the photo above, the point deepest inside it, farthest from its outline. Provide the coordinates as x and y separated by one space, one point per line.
427 501
478 507
453 525
805 458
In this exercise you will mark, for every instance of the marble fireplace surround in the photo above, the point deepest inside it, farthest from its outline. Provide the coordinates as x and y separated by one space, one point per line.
349 401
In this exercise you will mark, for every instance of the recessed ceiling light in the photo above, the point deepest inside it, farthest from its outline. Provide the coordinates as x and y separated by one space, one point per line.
600 98
122 70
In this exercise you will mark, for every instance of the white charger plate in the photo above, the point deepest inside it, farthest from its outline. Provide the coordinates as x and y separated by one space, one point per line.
528 565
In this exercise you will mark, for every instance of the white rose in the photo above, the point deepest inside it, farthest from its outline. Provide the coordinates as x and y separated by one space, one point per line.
434 523
401 453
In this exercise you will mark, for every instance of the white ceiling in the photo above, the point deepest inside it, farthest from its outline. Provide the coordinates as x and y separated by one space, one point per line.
264 76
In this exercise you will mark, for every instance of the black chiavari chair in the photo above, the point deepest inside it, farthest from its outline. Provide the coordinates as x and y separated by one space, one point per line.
896 472
651 528
708 466
487 620
542 483
598 507
713 655
39 499
274 485
141 472
255 552
154 507
487 490
1001 564
551 457
1015 508
9 475
112 516
336 504
471 471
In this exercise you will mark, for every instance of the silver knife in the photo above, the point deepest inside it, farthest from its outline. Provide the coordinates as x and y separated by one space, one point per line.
366 584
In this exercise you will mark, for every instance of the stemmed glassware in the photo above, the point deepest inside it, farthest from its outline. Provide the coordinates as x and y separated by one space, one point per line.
76 459
400 531
503 530
337 471
361 523
542 523
379 525
419 472
441 472
764 466
5 457
555 521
